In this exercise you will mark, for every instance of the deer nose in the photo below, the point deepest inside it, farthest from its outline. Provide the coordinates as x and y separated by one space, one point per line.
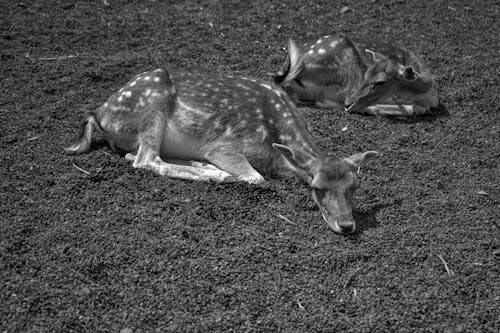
346 224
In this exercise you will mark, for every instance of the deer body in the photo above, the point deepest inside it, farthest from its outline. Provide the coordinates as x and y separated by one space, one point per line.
337 71
225 129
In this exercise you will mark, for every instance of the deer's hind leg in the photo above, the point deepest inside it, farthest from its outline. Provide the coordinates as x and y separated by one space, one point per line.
148 158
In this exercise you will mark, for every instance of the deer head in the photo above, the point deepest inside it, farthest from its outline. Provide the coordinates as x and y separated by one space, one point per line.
333 182
385 78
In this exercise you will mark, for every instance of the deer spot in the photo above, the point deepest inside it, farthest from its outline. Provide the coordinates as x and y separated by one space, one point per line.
262 130
266 86
141 103
285 138
155 94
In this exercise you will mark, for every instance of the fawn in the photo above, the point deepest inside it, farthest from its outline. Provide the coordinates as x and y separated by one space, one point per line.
359 74
222 128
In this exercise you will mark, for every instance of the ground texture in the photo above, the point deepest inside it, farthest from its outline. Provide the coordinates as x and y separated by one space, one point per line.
120 249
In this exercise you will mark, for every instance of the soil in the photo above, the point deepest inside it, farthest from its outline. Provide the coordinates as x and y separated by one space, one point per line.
90 244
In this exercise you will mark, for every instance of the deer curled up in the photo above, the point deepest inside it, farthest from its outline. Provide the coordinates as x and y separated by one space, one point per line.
359 74
224 129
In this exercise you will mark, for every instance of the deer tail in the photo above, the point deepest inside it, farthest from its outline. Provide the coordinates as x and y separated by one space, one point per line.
293 65
82 144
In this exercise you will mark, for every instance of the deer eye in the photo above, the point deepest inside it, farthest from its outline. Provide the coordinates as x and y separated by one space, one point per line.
379 83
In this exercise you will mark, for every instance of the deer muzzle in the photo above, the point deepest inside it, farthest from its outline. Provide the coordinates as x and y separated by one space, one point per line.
342 224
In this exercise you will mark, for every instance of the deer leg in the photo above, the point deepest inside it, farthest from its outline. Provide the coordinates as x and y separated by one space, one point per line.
197 164
332 97
389 110
235 164
195 171
148 158
329 104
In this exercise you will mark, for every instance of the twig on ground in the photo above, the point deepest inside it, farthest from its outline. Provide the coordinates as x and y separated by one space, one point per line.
300 306
58 58
448 270
33 138
84 171
284 218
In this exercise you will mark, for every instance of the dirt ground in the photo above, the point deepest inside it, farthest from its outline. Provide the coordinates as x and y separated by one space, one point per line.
116 249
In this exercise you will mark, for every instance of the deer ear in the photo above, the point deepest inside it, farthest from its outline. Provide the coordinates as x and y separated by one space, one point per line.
409 74
375 55
358 159
297 158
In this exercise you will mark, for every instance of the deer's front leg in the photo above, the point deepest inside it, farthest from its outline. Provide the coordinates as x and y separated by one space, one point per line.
198 172
389 110
235 164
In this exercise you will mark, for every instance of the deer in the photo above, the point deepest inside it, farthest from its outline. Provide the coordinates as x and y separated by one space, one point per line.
365 76
225 129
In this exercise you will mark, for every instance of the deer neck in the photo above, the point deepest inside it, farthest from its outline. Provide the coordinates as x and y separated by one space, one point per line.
296 136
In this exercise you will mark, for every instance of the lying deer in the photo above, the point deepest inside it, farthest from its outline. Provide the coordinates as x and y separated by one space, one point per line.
222 128
360 75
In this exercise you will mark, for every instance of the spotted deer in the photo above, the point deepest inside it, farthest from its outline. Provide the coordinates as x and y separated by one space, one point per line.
360 75
225 129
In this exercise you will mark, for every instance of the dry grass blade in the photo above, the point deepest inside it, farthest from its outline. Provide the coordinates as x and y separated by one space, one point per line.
301 306
286 219
84 171
448 270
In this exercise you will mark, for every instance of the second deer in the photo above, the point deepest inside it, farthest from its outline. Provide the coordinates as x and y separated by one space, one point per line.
362 75
225 129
